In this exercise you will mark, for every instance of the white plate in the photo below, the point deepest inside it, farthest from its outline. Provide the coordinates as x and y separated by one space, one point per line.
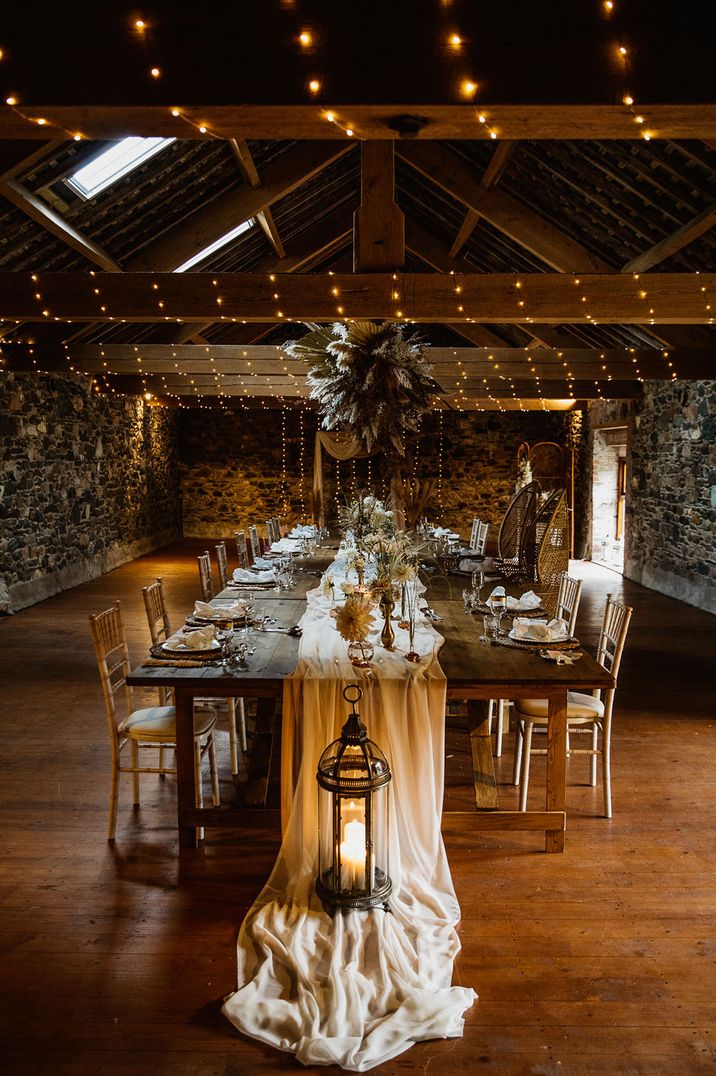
545 642
215 645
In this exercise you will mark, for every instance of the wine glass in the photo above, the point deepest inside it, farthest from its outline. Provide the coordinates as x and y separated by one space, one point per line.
223 632
478 583
468 599
498 605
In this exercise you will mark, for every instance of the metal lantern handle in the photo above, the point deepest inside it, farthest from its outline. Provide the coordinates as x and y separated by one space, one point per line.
356 698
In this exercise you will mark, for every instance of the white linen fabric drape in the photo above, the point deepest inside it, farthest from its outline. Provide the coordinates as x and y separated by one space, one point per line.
340 445
360 988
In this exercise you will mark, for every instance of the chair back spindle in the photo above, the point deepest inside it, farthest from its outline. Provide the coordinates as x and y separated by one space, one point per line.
110 647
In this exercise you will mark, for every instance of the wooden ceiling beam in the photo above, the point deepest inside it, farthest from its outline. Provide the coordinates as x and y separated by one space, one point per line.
195 232
463 365
378 222
56 225
697 226
104 122
518 388
521 224
490 178
681 298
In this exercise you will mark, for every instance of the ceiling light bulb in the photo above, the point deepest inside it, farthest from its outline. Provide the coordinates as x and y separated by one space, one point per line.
314 85
468 88
155 72
305 38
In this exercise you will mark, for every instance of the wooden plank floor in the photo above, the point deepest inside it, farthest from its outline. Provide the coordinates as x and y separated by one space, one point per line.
115 960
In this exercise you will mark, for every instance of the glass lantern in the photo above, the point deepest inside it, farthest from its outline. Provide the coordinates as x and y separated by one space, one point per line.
353 777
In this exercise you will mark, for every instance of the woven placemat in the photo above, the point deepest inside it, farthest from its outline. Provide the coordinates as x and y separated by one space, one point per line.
175 663
528 614
184 655
518 644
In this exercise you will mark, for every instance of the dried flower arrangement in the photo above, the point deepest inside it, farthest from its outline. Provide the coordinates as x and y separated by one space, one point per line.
369 380
354 618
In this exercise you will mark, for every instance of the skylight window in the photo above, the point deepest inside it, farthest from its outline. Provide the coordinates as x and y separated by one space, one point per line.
113 163
216 245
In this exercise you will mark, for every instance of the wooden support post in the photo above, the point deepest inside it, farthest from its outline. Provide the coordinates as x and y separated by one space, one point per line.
378 224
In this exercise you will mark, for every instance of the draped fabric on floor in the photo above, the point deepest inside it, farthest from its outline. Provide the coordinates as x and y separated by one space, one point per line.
357 989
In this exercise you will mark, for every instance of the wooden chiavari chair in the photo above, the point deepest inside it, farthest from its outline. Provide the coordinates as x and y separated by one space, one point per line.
254 542
586 713
160 630
242 549
205 581
139 729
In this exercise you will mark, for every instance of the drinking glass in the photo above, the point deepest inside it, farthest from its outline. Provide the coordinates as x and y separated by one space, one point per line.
498 605
223 632
478 582
468 599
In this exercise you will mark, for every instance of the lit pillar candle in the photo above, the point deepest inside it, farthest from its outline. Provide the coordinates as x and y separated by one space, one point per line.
353 855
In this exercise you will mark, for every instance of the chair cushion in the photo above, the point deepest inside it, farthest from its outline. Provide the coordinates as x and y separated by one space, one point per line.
580 708
158 723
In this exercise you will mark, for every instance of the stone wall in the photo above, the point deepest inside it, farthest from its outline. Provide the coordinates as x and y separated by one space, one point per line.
232 463
670 528
671 517
87 482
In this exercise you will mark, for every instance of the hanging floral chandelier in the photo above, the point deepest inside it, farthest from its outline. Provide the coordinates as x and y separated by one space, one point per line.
368 380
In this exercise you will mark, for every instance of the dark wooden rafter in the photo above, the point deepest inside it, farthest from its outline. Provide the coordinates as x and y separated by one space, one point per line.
246 163
681 298
659 252
207 224
490 178
378 223
447 171
281 121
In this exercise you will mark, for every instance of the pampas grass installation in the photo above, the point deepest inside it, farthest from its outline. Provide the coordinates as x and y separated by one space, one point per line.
369 381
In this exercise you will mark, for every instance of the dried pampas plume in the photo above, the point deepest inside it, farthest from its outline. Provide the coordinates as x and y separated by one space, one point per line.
354 618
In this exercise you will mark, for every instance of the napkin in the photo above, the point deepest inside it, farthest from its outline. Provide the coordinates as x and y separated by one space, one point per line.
529 600
539 631
444 532
201 639
262 562
219 612
287 545
243 575
302 531
470 565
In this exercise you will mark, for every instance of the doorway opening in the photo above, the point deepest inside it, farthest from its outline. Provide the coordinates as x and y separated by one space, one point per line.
609 487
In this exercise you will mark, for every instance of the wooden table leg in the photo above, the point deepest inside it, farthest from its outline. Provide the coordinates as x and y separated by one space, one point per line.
556 797
186 788
483 769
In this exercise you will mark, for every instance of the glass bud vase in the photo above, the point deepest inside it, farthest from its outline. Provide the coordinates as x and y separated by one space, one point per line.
360 653
387 635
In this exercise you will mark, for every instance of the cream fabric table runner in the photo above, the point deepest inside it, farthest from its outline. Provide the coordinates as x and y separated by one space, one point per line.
360 988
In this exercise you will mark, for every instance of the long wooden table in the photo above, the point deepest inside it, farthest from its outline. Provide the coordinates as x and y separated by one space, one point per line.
475 672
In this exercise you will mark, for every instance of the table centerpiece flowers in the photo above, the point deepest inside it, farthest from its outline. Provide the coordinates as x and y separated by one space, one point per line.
354 620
